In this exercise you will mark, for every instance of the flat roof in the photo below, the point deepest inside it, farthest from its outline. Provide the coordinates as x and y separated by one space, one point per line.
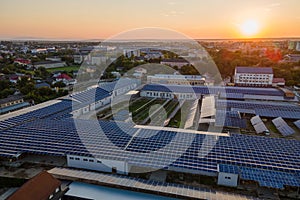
254 70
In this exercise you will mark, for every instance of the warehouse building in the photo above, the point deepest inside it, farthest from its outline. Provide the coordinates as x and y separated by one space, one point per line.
120 147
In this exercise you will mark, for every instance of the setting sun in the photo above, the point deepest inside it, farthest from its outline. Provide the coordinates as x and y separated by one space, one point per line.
249 28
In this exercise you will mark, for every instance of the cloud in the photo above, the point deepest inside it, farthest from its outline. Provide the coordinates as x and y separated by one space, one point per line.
172 2
268 8
274 5
173 13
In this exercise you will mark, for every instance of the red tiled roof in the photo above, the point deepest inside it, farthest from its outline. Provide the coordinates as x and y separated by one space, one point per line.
22 60
278 80
39 187
64 76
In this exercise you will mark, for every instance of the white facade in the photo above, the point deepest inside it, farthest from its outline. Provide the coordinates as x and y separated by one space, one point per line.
175 79
103 165
130 52
97 60
228 179
123 90
169 95
93 106
50 64
253 78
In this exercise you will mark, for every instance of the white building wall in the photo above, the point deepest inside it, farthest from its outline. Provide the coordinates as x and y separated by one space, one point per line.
228 179
102 102
52 65
97 60
298 46
168 95
102 165
253 79
85 109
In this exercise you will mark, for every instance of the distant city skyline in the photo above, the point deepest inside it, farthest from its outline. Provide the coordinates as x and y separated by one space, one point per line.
84 20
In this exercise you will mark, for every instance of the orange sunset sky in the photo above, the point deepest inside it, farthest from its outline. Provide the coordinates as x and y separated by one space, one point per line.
100 19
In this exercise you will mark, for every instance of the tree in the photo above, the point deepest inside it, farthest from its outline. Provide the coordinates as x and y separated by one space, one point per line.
42 72
25 85
5 93
4 84
59 84
27 88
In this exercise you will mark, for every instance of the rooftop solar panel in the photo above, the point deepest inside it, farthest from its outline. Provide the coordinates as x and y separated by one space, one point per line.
260 127
121 83
229 119
36 114
52 131
297 123
228 168
283 127
214 90
90 96
266 109
269 178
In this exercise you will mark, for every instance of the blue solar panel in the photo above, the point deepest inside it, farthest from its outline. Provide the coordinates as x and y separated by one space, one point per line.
111 140
269 178
37 114
213 90
150 140
90 96
231 95
229 119
121 83
265 109
228 169
283 127
297 123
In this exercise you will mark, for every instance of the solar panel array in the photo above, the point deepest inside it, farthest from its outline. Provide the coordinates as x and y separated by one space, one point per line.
225 95
297 123
269 178
213 90
43 137
121 141
255 120
121 83
258 124
121 115
52 131
90 96
232 169
266 109
229 119
283 127
265 177
144 144
56 108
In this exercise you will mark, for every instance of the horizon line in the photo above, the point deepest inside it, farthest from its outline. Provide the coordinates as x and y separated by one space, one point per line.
144 39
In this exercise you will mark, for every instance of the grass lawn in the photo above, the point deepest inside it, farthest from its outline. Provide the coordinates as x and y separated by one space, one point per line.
139 115
180 117
67 68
